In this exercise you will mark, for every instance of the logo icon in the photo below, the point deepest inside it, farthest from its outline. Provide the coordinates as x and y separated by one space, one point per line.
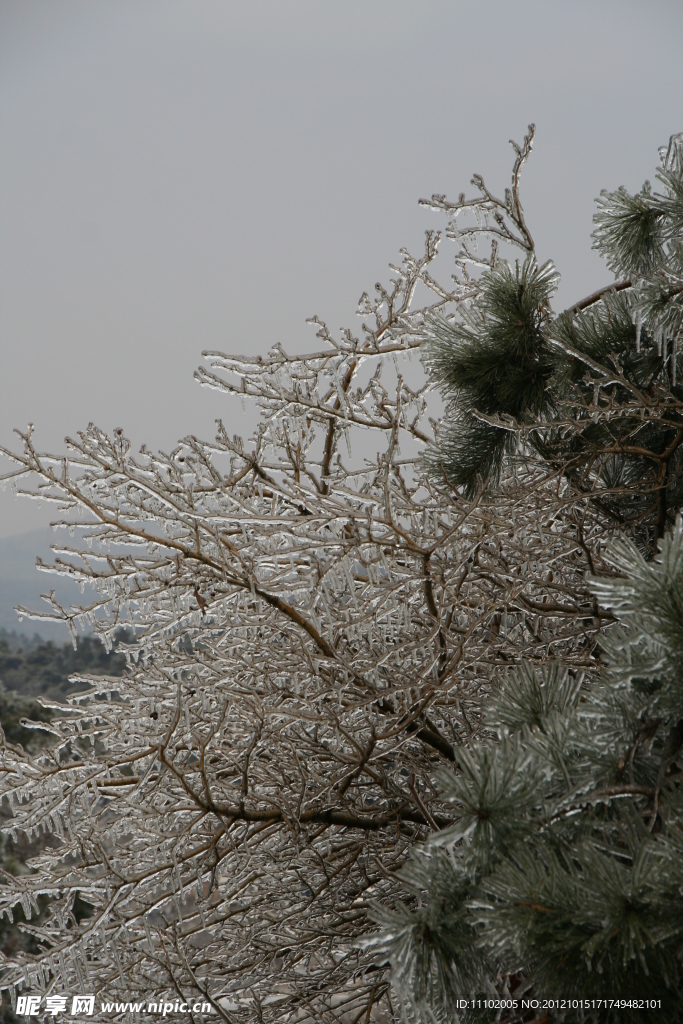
83 1004
28 1006
55 1004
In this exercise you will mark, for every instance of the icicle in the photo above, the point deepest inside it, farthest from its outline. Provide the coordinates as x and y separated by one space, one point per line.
62 969
674 357
178 876
639 324
117 958
176 904
77 968
150 943
84 955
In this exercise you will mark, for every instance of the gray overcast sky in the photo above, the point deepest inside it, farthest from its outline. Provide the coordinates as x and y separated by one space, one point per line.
186 174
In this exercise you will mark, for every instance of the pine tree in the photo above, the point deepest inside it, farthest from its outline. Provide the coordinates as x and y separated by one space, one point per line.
596 390
562 878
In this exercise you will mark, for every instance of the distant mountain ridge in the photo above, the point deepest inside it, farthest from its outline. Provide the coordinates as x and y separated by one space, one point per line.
44 668
14 641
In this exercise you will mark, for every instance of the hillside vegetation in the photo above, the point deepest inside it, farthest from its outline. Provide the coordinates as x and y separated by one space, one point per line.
29 668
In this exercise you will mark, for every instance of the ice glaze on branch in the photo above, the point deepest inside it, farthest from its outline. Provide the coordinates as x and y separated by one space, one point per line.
315 634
